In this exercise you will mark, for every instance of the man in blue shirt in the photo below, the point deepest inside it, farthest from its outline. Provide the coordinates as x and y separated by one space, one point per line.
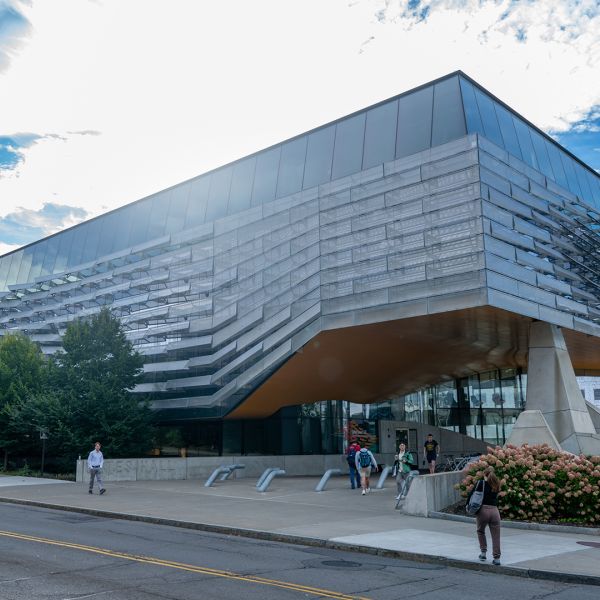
95 462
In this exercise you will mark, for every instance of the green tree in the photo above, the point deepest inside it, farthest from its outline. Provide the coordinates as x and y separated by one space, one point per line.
23 375
93 378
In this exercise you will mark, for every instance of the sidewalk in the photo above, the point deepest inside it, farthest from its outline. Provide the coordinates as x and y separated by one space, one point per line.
338 517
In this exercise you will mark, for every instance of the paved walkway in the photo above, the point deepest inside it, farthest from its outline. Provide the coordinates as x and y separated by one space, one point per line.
291 511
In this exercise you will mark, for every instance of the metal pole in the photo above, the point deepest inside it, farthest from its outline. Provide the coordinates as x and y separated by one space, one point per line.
43 453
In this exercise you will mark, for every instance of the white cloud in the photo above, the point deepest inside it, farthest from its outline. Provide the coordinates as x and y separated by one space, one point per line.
144 94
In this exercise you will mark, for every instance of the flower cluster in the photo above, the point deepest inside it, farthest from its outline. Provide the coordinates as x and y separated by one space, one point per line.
541 484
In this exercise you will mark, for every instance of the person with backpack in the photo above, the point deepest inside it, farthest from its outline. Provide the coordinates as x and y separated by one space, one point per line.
353 448
364 461
488 515
403 467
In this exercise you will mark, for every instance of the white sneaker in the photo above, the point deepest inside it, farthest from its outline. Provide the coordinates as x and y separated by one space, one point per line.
368 490
398 496
363 492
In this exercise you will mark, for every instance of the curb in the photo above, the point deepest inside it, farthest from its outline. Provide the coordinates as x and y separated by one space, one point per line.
595 531
321 543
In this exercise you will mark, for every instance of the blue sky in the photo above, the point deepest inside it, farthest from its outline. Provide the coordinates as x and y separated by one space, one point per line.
106 101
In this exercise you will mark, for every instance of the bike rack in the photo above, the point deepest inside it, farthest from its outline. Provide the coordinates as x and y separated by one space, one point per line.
383 476
321 485
225 471
264 475
270 476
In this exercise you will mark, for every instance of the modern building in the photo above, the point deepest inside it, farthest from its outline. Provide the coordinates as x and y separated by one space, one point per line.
383 268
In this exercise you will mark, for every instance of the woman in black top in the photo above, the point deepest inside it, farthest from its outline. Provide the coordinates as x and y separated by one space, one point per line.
489 515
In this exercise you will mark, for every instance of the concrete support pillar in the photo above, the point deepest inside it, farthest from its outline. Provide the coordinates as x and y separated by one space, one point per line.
552 389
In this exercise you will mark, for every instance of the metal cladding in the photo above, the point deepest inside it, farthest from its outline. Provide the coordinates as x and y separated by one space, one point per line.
218 304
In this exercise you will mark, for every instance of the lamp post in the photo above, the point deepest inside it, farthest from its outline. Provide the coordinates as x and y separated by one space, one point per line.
43 437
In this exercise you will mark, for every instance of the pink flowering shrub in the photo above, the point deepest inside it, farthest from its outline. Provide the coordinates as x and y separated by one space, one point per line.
541 484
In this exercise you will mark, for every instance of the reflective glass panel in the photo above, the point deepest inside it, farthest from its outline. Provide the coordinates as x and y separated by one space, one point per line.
139 225
91 241
541 153
583 182
488 118
265 177
557 168
594 186
319 156
380 134
62 257
448 116
122 228
4 267
76 247
178 208
24 268
13 270
107 232
218 195
38 260
525 143
240 195
414 122
196 210
568 165
474 124
348 149
158 215
50 256
507 128
291 167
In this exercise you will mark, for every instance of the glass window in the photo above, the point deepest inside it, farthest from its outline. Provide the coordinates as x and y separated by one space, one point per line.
178 206
38 260
541 153
567 163
91 241
196 210
414 122
107 233
24 268
525 143
122 228
265 177
488 118
158 214
474 124
76 247
66 240
13 270
348 149
448 117
50 257
583 183
291 167
594 186
319 155
380 134
218 195
557 168
4 268
507 128
240 195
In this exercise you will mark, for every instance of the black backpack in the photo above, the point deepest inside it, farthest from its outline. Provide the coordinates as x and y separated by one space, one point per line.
351 456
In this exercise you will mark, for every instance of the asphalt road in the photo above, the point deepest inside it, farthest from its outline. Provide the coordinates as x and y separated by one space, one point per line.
46 554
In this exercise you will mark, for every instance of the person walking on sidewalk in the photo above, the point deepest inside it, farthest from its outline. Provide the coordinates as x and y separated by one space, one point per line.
95 463
351 459
403 467
488 515
431 449
364 462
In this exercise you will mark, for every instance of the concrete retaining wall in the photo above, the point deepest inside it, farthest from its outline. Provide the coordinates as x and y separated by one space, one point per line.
430 493
152 469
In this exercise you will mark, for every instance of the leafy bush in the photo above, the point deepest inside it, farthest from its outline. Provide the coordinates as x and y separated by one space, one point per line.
541 484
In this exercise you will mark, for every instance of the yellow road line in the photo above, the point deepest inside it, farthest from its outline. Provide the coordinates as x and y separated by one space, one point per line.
185 567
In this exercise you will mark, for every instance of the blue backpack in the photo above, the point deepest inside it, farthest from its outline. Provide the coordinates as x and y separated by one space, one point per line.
364 458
